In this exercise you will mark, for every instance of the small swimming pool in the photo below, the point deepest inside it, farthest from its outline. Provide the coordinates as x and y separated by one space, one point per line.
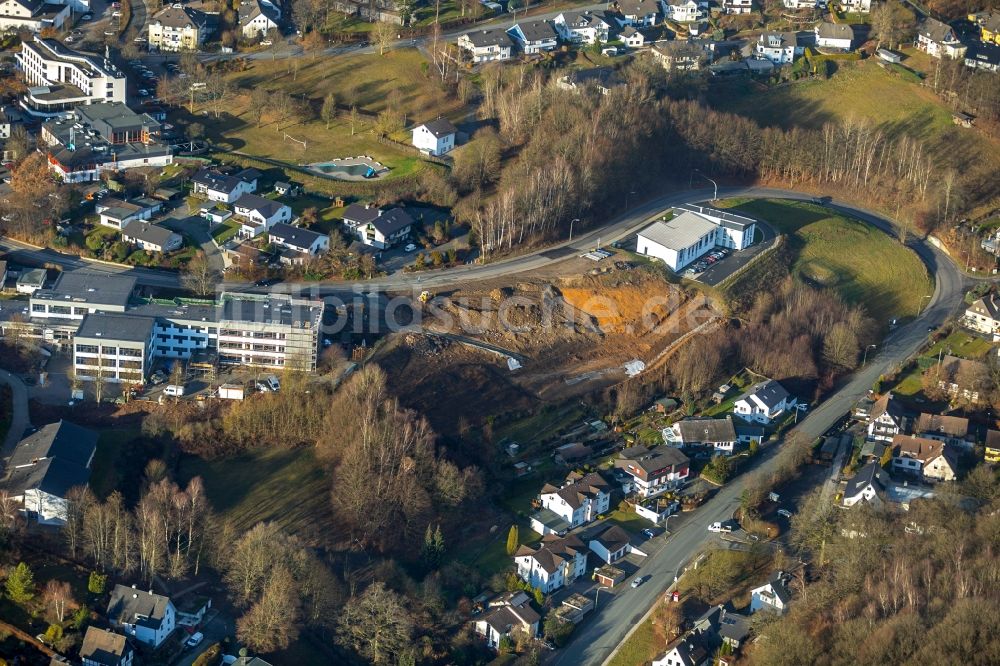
350 168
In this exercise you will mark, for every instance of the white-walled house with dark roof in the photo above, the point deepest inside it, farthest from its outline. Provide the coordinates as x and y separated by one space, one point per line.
436 137
764 402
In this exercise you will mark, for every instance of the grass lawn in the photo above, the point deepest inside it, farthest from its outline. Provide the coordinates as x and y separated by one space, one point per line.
641 647
285 486
866 92
864 265
962 344
629 520
488 554
365 81
225 231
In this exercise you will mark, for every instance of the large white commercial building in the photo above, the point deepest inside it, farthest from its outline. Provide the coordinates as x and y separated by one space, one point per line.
60 79
693 231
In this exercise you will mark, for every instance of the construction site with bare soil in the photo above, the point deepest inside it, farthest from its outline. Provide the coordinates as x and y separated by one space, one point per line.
497 348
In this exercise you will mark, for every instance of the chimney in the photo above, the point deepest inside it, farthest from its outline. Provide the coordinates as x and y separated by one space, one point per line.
133 586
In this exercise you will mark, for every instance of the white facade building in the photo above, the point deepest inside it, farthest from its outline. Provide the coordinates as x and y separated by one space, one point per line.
694 231
147 617
582 27
59 78
436 137
557 562
764 402
487 45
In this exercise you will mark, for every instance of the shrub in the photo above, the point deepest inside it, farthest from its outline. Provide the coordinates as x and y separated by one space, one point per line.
97 583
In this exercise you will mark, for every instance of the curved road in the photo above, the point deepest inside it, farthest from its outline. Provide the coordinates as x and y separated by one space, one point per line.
19 421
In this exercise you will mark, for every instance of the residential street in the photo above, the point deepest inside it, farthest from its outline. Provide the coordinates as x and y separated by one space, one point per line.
594 641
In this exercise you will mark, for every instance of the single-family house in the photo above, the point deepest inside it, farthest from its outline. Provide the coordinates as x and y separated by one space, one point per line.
286 188
534 36
577 502
636 13
678 55
984 56
992 453
631 37
612 544
30 281
151 237
34 15
147 617
681 11
45 465
834 35
581 27
856 6
436 137
301 240
721 625
772 595
780 48
737 6
257 18
938 39
487 45
886 419
764 402
716 434
117 214
258 214
689 650
215 214
983 316
177 28
952 430
963 379
216 185
869 484
922 458
507 615
556 562
655 470
105 648
377 227
601 79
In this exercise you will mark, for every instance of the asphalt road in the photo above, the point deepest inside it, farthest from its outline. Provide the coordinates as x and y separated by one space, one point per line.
19 421
593 642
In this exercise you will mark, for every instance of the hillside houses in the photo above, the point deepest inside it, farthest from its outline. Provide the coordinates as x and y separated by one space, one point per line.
487 45
718 435
886 419
983 316
922 458
147 617
556 562
654 471
583 27
939 40
577 502
510 613
764 402
780 48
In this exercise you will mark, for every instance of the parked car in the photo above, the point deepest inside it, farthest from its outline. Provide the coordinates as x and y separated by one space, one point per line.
266 42
273 383
410 248
785 512
196 638
648 533
639 581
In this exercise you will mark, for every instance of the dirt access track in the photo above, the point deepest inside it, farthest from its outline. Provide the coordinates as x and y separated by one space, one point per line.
571 334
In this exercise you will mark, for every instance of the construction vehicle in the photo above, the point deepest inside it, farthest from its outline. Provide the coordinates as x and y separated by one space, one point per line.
425 296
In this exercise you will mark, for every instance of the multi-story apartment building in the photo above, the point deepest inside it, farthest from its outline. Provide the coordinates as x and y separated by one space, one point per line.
60 79
113 347
177 28
270 331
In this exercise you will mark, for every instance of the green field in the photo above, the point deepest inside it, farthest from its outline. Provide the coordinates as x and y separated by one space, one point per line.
862 264
225 231
957 343
365 81
288 487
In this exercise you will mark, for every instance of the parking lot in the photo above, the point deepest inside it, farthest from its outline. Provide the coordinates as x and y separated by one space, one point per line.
714 272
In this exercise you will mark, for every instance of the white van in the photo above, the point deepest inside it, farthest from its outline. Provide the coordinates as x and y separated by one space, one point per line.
173 390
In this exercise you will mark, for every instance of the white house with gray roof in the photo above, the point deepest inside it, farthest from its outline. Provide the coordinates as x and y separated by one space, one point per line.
577 502
764 402
487 45
555 563
717 434
772 595
216 185
298 239
780 48
258 214
116 213
581 27
151 237
258 17
637 13
436 137
145 616
377 227
505 615
939 40
534 36
834 35
45 465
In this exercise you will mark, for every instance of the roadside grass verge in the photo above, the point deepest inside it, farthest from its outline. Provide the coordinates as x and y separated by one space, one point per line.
640 648
285 486
862 264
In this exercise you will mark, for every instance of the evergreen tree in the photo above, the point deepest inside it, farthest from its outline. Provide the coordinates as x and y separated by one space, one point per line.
21 584
433 549
438 545
97 583
512 540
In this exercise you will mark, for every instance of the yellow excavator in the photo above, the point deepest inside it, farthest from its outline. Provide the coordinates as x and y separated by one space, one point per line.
425 296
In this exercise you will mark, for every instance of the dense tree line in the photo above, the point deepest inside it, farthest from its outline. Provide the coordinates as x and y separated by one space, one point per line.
886 587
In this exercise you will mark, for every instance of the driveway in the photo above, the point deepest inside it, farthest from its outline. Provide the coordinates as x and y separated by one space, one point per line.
197 229
215 629
19 421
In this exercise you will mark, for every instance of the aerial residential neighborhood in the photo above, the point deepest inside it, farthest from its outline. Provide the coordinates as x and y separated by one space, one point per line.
479 333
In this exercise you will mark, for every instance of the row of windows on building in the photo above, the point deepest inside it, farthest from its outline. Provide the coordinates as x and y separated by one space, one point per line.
109 363
109 351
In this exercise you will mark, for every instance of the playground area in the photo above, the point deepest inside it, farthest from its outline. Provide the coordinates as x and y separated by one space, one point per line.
361 167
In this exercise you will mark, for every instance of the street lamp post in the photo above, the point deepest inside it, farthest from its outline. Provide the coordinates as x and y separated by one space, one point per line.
920 308
597 594
666 523
715 195
865 359
571 223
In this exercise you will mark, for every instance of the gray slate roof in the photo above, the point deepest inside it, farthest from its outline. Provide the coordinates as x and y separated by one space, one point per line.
51 475
129 605
263 205
486 38
362 213
707 431
872 473
148 232
64 440
392 221
536 31
769 392
224 182
296 237
103 647
440 127
936 31
834 31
